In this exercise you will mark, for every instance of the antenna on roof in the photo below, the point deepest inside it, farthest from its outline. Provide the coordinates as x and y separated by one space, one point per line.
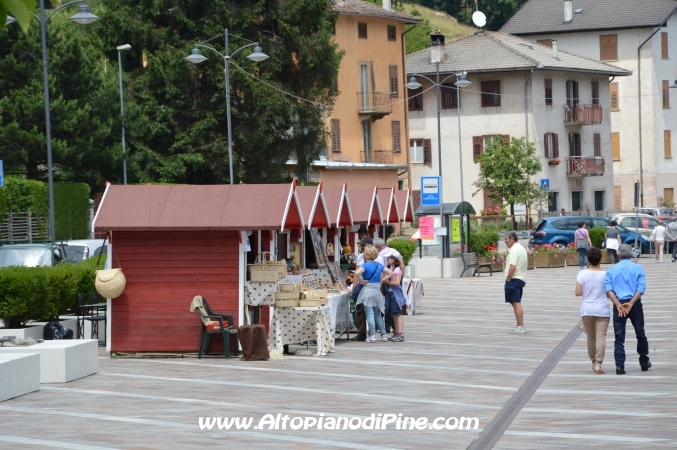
479 19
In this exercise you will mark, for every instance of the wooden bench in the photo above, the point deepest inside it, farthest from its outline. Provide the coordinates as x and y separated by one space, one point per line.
470 261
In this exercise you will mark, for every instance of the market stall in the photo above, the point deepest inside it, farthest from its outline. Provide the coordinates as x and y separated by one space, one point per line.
175 242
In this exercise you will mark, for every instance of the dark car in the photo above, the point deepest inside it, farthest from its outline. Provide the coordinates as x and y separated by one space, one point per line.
560 230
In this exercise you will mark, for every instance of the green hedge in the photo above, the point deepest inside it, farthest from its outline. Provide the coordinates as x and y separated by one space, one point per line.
404 246
597 236
71 204
40 293
481 238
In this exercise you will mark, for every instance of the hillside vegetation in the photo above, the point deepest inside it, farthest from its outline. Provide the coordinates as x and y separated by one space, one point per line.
419 38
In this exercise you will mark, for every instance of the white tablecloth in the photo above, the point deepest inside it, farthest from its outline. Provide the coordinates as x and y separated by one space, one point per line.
340 310
296 325
258 294
413 290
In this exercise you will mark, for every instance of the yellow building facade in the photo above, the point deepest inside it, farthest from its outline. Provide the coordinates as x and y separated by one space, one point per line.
368 123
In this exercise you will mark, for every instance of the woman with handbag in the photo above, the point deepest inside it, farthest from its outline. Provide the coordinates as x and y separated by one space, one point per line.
595 308
582 239
658 238
370 294
612 240
395 299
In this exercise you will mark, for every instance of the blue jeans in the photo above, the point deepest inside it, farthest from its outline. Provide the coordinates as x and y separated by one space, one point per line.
636 317
582 256
374 314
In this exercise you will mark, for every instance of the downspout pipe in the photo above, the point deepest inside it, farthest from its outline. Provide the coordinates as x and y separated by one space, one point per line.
639 109
406 104
526 105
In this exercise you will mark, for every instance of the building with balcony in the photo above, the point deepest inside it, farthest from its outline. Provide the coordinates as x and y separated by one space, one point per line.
367 126
636 35
560 101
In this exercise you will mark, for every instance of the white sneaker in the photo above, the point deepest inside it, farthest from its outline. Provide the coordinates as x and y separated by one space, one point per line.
518 330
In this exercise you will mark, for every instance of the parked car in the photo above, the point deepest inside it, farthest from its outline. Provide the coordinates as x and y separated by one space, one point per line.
78 250
32 255
560 230
629 220
658 212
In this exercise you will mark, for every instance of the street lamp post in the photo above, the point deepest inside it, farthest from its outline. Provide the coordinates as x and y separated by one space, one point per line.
437 52
460 82
122 48
196 57
83 16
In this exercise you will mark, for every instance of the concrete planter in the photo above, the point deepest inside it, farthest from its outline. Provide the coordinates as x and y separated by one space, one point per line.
33 331
549 260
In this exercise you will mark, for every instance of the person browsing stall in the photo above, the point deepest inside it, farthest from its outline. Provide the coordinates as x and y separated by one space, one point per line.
370 294
395 299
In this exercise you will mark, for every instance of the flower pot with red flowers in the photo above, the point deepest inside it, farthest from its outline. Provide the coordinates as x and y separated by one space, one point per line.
549 255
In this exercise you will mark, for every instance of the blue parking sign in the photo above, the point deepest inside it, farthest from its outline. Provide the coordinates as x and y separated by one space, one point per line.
2 180
430 190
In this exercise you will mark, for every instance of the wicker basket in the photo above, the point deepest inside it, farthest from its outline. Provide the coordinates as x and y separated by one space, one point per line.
290 286
313 302
267 271
287 296
316 294
286 303
110 283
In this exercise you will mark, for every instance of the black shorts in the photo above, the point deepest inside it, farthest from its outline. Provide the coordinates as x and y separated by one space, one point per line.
392 307
513 290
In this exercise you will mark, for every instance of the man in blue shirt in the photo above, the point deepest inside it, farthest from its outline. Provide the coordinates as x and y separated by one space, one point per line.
625 284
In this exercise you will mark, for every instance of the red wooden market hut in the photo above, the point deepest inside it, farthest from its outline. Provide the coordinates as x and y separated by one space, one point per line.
315 215
340 212
405 205
391 215
175 242
367 210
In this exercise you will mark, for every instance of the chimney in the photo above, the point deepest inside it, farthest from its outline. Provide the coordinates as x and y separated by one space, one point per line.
436 47
386 5
568 11
554 49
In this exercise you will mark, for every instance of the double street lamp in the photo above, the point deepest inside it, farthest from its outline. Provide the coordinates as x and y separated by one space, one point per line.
83 17
196 57
437 54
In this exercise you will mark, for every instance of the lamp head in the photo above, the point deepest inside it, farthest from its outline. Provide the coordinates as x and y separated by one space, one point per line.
10 20
257 55
84 16
463 81
195 56
124 47
674 85
413 84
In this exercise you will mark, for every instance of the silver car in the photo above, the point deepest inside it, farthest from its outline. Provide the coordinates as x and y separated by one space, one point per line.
78 250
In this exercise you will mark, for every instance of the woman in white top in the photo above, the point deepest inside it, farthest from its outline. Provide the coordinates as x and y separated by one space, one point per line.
658 237
595 307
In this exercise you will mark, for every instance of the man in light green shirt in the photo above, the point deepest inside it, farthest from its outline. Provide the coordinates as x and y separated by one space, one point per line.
515 279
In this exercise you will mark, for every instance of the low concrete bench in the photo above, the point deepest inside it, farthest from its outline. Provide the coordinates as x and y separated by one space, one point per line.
19 374
63 360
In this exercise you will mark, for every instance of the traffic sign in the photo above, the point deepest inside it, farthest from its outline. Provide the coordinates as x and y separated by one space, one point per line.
430 190
545 184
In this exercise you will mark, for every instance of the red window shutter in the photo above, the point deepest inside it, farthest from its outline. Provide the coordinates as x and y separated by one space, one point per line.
397 146
595 93
546 145
597 144
477 146
488 202
394 87
548 91
491 93
664 45
613 92
427 152
335 135
555 145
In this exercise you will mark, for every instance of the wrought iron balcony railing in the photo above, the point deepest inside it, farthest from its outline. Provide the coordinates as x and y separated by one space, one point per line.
585 165
377 156
582 114
374 103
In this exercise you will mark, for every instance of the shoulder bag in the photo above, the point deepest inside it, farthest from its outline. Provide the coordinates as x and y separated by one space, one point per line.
581 241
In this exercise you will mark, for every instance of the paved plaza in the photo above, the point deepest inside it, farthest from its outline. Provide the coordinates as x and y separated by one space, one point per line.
458 361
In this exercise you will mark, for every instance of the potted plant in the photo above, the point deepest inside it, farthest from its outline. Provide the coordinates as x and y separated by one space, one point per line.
597 235
549 255
571 255
554 162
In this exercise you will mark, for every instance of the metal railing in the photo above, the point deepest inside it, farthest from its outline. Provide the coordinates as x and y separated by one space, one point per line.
24 227
585 165
582 114
377 156
374 102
